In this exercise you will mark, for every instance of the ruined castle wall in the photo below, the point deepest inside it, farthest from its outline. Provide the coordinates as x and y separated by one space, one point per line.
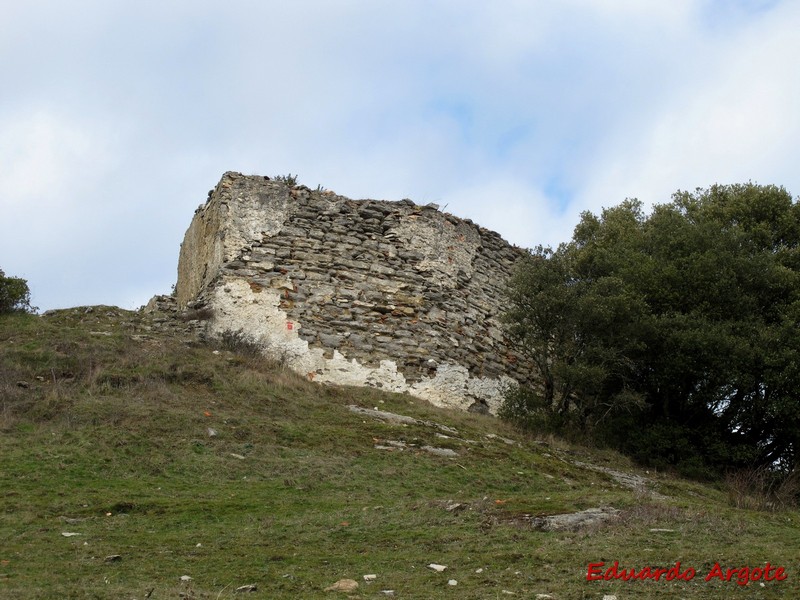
386 294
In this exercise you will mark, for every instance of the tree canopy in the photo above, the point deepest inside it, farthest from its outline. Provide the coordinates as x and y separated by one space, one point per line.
673 335
15 296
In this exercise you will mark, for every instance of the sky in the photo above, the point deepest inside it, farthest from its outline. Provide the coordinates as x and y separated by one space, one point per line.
117 117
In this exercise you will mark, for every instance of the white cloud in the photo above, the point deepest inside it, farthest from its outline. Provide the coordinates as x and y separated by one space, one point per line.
734 121
41 153
525 217
516 113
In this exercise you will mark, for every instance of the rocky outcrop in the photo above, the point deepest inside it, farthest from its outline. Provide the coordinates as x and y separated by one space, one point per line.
362 292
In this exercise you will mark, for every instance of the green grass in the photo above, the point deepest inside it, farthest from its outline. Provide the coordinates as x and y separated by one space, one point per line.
107 436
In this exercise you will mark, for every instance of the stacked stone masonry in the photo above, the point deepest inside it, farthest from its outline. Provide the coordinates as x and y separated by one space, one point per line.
360 292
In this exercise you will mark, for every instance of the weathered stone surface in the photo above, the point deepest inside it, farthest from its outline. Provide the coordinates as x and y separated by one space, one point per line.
343 585
356 292
574 521
443 452
390 417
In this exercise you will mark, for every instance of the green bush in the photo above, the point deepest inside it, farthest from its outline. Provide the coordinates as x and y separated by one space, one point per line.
290 180
760 488
15 296
672 334
240 343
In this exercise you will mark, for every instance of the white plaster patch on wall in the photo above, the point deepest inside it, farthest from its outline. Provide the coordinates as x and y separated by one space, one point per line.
445 247
221 230
252 216
490 391
341 371
452 387
254 310
446 388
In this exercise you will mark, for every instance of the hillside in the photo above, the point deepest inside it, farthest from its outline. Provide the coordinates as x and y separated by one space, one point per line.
138 462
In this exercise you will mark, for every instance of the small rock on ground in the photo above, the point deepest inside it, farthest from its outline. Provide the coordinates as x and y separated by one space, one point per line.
574 521
343 585
445 452
398 419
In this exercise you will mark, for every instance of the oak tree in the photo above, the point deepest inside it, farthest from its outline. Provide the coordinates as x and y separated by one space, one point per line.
675 334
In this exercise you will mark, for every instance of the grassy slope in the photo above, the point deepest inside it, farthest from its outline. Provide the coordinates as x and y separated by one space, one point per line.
110 440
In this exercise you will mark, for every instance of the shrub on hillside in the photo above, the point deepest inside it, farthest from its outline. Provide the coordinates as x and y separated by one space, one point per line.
240 343
290 180
15 296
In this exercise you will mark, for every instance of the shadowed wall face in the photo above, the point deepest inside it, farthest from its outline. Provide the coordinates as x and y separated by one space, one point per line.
385 294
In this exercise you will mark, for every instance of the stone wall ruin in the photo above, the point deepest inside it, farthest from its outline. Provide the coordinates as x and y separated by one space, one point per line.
356 292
